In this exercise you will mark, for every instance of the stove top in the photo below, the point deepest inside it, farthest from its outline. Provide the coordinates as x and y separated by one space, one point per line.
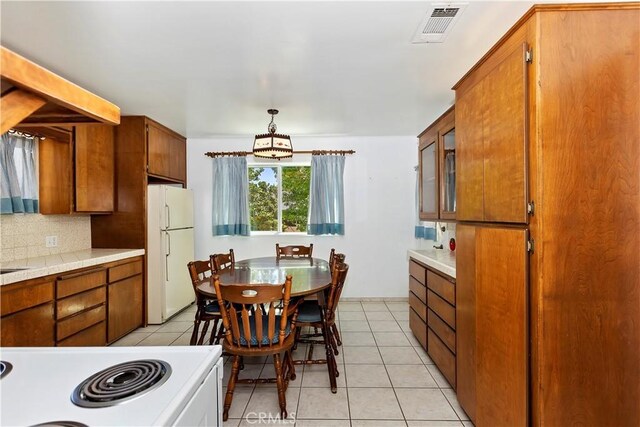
5 368
101 386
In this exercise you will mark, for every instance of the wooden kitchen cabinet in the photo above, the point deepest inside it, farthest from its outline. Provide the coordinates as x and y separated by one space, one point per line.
87 307
125 298
166 152
437 171
432 315
492 111
547 308
80 305
76 170
492 324
27 314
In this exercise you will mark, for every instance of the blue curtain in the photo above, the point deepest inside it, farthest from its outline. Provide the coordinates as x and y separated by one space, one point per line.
326 196
422 230
18 182
230 196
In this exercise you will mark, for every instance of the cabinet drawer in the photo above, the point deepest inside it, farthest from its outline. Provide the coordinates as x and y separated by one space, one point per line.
24 295
80 302
417 271
442 287
29 328
123 271
79 282
442 308
93 336
442 330
418 327
73 324
418 306
442 357
418 289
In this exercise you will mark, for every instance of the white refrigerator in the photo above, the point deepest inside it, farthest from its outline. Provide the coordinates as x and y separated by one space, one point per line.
170 247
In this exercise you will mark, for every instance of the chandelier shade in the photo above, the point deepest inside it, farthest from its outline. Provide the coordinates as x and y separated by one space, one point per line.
272 145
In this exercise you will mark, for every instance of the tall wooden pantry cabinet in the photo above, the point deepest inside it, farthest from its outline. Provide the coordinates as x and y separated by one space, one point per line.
548 235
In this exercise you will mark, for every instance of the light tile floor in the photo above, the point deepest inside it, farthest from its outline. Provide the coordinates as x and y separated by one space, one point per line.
386 378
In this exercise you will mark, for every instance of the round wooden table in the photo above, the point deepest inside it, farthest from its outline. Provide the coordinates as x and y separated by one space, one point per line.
309 275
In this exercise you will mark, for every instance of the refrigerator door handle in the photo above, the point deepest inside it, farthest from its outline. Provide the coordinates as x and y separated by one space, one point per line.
166 264
167 217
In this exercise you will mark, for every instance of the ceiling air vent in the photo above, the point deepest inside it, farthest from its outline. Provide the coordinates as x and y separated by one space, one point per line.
438 22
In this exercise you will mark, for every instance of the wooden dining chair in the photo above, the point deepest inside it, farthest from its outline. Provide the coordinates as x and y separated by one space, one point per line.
322 316
207 310
221 261
334 259
294 251
255 328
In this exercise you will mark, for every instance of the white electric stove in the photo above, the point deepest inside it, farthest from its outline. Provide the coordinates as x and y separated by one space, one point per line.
111 386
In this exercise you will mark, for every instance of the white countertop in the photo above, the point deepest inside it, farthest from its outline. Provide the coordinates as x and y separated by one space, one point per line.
53 264
442 260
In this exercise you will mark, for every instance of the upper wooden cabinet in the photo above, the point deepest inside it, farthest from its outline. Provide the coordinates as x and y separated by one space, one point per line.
166 152
437 165
492 146
77 170
36 96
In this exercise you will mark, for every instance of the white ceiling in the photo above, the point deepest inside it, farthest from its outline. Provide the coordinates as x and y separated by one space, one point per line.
213 68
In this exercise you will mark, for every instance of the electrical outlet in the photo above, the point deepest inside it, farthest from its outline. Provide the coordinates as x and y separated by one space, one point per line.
51 241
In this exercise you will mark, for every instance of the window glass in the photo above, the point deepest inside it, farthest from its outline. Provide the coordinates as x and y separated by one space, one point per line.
279 198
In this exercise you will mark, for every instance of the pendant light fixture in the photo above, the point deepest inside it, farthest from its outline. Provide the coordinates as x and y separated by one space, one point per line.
272 145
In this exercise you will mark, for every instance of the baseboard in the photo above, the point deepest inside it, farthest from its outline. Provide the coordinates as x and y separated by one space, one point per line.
374 299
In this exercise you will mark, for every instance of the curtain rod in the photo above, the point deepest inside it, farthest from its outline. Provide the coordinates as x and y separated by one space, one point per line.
249 153
27 135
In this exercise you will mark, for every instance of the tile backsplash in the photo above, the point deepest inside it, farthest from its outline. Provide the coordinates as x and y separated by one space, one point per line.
23 235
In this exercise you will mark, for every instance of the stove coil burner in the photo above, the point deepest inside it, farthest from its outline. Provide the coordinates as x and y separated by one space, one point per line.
60 424
5 368
120 383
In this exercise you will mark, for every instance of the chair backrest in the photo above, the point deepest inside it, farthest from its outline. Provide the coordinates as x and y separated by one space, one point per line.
338 277
335 258
242 304
221 261
294 251
198 271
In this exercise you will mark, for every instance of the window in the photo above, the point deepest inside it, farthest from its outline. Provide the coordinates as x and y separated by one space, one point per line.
279 198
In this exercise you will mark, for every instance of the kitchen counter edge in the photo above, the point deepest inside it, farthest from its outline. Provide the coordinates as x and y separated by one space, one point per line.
61 263
444 262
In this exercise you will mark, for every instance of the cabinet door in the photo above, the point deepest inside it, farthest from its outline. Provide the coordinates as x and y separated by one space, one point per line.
55 180
94 168
125 307
470 153
158 150
166 153
429 178
33 327
178 159
505 140
501 294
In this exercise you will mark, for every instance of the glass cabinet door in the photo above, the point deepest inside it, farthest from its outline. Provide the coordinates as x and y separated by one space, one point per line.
428 181
448 153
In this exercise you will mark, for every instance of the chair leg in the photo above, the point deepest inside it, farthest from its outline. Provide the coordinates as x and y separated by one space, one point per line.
280 383
214 331
231 387
334 345
295 344
291 367
331 361
220 333
205 328
334 328
194 334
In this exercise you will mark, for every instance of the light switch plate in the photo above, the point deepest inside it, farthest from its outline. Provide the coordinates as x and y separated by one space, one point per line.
51 241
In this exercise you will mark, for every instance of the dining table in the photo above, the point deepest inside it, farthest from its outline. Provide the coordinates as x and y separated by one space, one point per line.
309 275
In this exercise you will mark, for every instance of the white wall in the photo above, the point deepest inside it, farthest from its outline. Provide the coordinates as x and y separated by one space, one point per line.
379 204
